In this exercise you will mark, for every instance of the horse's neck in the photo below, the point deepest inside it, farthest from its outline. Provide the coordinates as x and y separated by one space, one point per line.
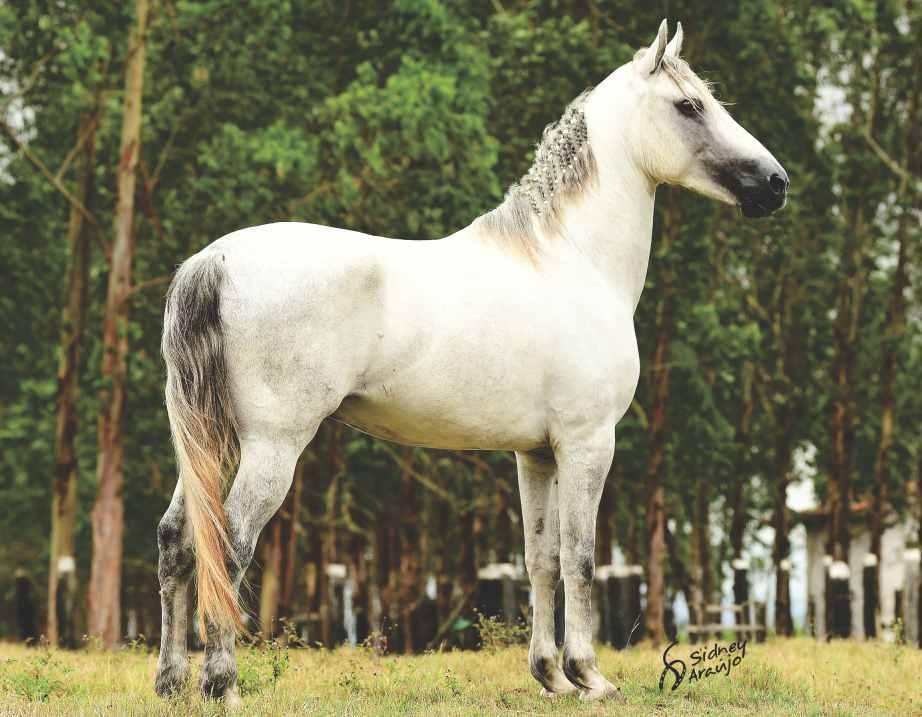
612 225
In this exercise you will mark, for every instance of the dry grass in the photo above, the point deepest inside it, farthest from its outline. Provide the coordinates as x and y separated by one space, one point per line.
793 677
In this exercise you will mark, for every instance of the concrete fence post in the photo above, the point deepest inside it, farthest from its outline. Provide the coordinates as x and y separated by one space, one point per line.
840 621
871 601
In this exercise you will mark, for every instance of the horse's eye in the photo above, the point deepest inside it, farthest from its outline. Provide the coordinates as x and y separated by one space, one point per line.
688 107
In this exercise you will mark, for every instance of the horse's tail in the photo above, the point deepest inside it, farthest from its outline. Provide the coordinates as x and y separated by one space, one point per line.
203 426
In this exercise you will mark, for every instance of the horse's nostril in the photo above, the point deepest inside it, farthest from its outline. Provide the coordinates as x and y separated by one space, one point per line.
777 183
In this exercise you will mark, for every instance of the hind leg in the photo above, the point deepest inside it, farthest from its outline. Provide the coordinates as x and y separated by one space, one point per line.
266 470
538 488
175 570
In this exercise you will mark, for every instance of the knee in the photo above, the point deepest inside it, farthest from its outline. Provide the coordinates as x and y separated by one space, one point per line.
544 567
579 564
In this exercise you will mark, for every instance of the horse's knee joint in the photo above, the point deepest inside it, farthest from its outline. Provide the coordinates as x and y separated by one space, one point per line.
579 564
543 565
585 567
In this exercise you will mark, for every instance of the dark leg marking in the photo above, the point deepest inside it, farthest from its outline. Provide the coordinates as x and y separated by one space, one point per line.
175 566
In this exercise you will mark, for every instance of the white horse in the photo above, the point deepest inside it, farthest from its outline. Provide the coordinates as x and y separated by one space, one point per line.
515 333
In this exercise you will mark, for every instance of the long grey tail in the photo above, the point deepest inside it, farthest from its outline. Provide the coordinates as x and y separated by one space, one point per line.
203 426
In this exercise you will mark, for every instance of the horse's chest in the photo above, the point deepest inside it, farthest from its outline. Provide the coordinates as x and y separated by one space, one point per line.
596 368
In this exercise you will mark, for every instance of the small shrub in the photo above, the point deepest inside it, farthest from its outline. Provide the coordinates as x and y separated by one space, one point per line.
290 631
454 684
35 679
495 634
375 643
138 646
261 666
899 632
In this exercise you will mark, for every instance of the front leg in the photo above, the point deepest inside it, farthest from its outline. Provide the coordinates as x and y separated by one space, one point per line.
583 466
538 489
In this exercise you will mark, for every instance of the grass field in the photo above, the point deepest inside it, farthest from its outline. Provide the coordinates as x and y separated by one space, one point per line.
792 677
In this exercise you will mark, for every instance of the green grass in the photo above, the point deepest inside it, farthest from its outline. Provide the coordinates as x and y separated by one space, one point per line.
792 677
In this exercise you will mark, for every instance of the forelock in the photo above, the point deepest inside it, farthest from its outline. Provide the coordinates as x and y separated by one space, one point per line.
679 71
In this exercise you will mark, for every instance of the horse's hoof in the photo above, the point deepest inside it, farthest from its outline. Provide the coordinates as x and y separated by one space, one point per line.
607 692
554 694
232 699
171 679
220 686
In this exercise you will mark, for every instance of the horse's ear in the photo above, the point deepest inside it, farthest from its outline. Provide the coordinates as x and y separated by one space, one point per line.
675 44
648 63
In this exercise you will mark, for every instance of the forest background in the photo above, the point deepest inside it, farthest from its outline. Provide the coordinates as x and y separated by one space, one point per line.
785 350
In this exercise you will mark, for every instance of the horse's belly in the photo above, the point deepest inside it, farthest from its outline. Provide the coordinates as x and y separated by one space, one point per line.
455 423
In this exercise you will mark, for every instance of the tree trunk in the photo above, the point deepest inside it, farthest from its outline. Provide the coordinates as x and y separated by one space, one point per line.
447 569
108 513
471 524
919 537
291 535
781 549
633 529
314 568
895 323
328 545
655 509
838 540
383 571
503 541
61 629
738 496
681 578
270 588
701 551
359 571
604 538
409 591
849 301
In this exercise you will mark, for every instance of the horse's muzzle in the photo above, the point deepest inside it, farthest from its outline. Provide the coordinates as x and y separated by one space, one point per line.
763 190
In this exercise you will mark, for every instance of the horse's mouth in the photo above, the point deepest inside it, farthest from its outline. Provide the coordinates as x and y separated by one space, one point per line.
754 210
759 186
757 207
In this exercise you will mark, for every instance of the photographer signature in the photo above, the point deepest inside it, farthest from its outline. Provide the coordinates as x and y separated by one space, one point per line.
705 662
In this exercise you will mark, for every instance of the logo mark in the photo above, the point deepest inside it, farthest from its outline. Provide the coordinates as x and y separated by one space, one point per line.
671 666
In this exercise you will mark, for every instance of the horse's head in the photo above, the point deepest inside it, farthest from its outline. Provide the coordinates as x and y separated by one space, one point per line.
676 132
